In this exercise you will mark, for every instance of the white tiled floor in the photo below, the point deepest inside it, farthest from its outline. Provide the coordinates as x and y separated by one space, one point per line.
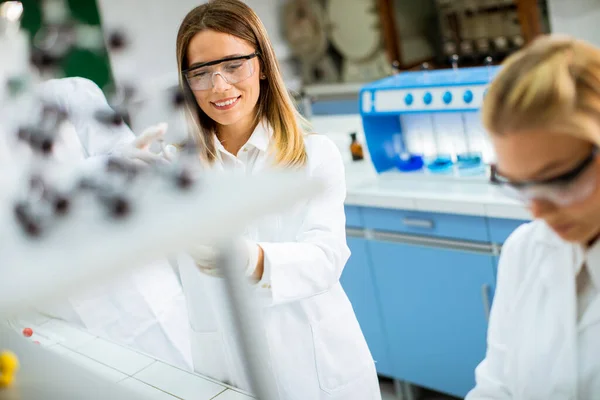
232 395
145 390
179 383
120 358
151 378
69 336
105 371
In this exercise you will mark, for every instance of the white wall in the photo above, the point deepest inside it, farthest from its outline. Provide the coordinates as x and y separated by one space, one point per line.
151 26
578 18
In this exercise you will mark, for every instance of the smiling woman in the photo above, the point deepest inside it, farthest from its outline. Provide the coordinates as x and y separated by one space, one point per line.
228 66
244 120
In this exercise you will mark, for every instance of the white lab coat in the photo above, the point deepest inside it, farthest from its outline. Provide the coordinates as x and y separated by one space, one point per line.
537 346
316 346
144 309
81 99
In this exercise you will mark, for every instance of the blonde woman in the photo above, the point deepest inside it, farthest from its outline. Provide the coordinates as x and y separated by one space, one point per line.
543 113
244 120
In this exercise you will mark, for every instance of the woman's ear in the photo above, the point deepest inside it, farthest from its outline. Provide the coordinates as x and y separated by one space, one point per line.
261 66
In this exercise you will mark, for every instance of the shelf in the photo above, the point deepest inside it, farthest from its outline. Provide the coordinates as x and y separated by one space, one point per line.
333 89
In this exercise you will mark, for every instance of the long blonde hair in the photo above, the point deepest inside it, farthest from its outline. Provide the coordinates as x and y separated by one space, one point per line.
553 84
275 105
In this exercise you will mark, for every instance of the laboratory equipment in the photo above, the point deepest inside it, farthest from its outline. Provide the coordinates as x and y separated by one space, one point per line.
304 23
356 149
404 160
414 104
475 29
355 33
468 161
441 161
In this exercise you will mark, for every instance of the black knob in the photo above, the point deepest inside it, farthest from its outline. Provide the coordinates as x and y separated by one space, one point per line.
21 212
46 145
33 228
43 59
24 133
117 40
119 207
109 117
41 141
184 179
178 98
61 205
30 226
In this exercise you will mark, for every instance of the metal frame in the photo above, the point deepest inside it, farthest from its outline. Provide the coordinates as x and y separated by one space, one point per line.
249 335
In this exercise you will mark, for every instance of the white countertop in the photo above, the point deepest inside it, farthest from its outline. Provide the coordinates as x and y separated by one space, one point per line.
428 193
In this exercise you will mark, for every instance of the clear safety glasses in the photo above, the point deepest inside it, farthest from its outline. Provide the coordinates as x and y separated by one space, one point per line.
233 70
569 188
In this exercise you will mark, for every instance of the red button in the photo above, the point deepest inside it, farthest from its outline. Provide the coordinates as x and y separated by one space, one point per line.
27 332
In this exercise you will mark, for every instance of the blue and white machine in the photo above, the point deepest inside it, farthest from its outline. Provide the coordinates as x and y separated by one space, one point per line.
428 121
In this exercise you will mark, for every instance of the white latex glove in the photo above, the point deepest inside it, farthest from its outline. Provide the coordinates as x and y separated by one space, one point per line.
169 152
207 257
139 149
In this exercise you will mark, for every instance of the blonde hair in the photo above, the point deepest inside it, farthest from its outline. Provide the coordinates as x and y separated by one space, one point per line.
275 105
553 84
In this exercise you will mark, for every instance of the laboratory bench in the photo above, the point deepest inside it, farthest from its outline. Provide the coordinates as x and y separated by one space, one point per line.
422 272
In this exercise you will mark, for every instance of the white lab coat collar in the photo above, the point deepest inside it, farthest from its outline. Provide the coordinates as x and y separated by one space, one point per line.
548 238
578 256
590 256
593 263
592 260
260 138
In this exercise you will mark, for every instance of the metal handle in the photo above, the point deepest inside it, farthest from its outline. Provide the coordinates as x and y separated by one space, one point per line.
418 223
485 297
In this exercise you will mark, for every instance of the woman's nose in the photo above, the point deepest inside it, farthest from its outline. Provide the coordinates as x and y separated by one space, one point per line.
219 83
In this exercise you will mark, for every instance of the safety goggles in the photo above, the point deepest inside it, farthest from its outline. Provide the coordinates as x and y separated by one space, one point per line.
232 69
566 189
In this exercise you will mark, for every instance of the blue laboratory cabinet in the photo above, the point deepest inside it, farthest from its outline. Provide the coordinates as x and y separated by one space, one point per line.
435 303
358 282
422 285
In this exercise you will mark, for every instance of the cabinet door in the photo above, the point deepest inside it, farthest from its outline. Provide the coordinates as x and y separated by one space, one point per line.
435 303
357 281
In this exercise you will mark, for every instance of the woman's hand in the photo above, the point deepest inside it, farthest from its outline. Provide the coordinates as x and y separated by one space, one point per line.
248 255
139 149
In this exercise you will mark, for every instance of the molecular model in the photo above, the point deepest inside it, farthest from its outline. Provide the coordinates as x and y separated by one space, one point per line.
42 203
